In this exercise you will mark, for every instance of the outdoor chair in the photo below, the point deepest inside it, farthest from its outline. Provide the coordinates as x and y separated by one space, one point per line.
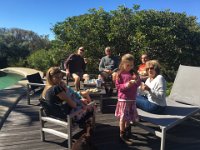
68 124
35 83
182 103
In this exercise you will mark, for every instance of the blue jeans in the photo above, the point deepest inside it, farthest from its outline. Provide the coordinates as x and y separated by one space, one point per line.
144 104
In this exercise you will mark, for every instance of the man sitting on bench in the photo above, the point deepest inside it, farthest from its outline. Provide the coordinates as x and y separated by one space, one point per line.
107 66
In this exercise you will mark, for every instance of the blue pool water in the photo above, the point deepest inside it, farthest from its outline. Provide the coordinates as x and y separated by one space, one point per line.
8 79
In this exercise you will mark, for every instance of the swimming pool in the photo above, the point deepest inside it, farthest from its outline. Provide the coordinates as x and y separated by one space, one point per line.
8 79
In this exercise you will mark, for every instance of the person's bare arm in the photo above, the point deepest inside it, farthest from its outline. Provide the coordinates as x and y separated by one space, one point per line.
62 95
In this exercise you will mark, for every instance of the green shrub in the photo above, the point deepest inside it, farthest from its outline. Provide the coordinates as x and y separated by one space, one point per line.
169 87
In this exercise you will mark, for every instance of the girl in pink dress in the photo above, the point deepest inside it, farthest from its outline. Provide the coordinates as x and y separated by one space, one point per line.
127 83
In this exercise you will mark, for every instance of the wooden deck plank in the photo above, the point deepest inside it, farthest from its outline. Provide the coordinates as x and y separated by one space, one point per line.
21 131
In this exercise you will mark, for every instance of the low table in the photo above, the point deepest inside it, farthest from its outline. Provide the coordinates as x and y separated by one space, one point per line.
98 94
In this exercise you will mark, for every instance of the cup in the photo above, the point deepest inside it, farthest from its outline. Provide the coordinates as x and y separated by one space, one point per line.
98 83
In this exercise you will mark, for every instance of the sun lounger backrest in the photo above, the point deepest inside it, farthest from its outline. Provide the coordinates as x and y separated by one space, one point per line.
34 78
186 87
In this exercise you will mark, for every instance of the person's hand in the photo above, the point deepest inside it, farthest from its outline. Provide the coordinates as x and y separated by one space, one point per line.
130 83
135 77
144 87
114 76
84 101
86 60
108 71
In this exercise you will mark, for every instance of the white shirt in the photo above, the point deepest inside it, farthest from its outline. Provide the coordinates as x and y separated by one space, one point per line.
157 93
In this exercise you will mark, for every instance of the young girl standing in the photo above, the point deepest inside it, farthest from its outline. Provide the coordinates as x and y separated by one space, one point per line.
127 83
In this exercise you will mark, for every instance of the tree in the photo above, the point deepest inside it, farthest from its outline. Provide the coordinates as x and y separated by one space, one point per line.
172 38
17 44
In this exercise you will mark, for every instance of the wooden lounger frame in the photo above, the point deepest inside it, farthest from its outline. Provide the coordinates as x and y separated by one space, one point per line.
68 125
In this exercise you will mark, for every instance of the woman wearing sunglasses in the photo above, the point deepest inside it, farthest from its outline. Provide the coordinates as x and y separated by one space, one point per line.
152 93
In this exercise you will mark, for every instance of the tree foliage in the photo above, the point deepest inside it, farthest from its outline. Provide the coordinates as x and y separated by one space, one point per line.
172 38
17 44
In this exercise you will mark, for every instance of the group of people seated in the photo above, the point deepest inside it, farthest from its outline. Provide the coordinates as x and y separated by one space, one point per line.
76 64
144 89
151 92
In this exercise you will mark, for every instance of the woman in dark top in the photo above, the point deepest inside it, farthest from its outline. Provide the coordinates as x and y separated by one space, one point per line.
54 94
59 103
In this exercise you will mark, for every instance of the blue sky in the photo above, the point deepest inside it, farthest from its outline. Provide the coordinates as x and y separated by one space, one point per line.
40 15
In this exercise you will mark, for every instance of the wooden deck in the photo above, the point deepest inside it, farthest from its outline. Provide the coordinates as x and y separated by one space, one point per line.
21 132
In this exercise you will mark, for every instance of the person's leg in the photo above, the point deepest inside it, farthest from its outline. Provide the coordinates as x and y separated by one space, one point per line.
88 115
76 81
144 104
112 85
128 130
85 94
123 136
158 109
114 76
121 125
105 76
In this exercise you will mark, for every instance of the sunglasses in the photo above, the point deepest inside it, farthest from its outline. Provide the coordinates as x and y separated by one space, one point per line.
151 68
144 58
82 50
129 65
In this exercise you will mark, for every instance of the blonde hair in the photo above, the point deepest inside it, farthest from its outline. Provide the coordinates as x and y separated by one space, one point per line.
49 75
125 59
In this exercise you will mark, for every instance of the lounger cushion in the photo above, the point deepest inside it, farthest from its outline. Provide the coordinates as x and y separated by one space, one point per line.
34 78
186 87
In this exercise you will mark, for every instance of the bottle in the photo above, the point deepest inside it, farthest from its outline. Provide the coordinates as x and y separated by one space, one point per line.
99 81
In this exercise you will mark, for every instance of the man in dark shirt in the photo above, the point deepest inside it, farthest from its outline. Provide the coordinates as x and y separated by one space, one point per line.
75 66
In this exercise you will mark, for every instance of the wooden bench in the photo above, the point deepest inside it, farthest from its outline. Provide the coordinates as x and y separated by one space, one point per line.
67 124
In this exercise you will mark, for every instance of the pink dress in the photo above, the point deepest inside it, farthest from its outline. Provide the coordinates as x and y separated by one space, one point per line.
126 105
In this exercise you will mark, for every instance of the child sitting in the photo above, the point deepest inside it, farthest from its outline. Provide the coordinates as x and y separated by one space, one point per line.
81 98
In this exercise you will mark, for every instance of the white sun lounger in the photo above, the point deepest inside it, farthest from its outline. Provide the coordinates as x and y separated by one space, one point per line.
182 103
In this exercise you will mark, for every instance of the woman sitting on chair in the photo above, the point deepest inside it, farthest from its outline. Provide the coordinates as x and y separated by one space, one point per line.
60 100
151 96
